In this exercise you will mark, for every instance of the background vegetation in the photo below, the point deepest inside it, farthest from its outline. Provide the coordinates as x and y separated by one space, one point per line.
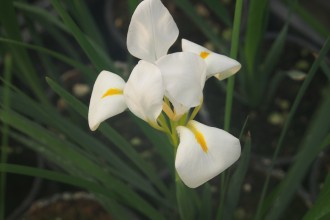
278 104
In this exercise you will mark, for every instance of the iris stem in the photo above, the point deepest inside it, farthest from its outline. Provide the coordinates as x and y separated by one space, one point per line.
230 91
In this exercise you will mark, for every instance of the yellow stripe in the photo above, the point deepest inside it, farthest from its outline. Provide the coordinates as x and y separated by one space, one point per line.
204 54
112 91
199 137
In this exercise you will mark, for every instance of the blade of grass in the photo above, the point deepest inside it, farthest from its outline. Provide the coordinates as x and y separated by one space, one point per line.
158 140
40 15
85 167
321 208
5 134
50 23
205 208
100 61
315 23
233 54
273 55
92 146
189 10
326 69
236 182
44 61
225 181
230 90
315 141
293 110
87 22
257 19
116 209
87 72
220 11
132 4
254 32
23 61
187 200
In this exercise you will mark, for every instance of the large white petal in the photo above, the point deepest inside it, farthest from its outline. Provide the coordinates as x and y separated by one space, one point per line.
152 31
204 152
107 99
144 91
218 65
184 78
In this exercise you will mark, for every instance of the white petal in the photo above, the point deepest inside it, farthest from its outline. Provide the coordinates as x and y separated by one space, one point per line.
184 78
152 31
218 65
188 46
107 99
195 162
221 66
144 91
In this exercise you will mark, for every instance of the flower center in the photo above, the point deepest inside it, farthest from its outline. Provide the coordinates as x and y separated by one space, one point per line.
204 54
112 91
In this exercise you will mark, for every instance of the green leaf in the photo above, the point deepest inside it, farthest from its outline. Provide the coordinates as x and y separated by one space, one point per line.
100 61
187 201
5 132
205 209
50 23
87 72
316 140
233 54
89 26
257 14
201 23
86 142
313 22
132 4
220 10
273 56
321 208
20 55
40 15
79 163
236 181
159 141
287 124
115 208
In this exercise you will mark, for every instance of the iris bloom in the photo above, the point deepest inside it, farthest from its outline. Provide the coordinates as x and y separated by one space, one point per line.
166 91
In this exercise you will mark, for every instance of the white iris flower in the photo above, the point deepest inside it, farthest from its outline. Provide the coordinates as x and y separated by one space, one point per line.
172 84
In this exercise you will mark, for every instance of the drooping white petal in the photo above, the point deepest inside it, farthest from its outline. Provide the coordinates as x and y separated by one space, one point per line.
204 152
144 91
218 65
107 99
152 31
184 78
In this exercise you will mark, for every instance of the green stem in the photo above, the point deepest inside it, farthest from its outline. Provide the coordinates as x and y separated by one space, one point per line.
230 91
233 54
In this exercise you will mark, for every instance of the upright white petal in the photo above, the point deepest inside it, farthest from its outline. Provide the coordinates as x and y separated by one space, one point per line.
184 78
152 31
218 65
107 99
144 91
204 152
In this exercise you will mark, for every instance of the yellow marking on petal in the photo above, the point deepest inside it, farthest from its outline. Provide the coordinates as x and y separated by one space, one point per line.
204 54
112 91
199 137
